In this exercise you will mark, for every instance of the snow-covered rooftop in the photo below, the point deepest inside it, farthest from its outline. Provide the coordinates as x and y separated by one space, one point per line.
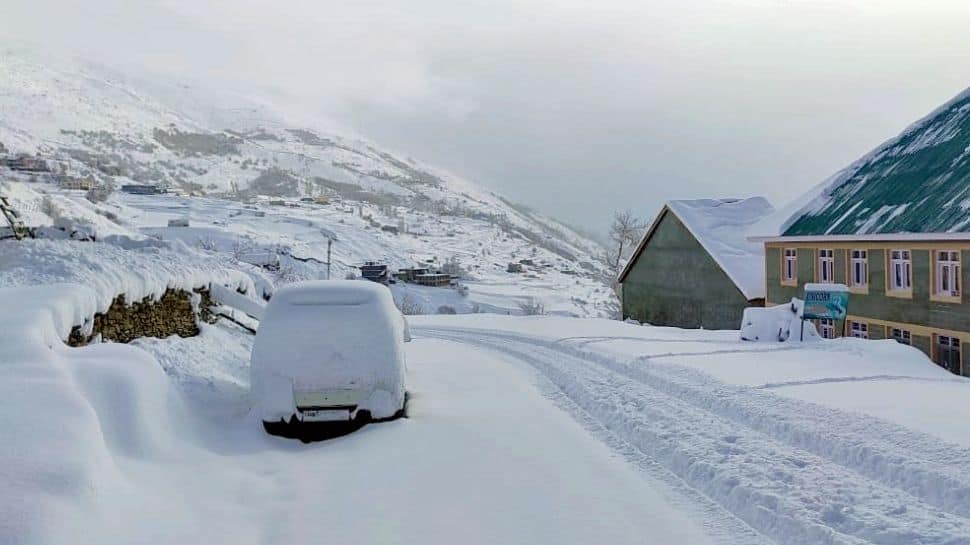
720 226
914 183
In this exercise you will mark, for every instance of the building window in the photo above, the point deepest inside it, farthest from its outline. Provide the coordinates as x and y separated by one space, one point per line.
859 330
900 270
902 336
826 328
859 272
947 273
826 265
947 354
789 272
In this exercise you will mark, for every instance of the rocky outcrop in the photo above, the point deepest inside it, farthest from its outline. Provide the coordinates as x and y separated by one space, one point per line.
176 312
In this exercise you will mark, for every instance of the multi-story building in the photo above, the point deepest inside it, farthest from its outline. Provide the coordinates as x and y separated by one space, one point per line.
895 228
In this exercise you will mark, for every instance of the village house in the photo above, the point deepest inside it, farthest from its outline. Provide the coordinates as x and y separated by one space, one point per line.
142 189
74 183
25 163
694 267
895 228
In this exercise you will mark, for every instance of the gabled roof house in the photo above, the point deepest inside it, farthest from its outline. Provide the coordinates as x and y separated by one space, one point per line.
694 267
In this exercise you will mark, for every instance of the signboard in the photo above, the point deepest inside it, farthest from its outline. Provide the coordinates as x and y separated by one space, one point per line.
825 301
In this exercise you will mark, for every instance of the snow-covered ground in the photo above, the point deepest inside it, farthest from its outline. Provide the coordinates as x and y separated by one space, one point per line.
236 231
798 441
122 452
520 430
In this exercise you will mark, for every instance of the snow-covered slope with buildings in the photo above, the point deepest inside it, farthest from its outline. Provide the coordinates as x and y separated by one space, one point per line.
238 177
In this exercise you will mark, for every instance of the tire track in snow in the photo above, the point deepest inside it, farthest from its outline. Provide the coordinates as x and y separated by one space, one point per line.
783 491
835 380
921 464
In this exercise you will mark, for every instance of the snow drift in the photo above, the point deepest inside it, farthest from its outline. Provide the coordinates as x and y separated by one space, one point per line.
781 323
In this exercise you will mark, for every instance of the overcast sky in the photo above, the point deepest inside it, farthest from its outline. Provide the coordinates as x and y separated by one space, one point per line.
576 108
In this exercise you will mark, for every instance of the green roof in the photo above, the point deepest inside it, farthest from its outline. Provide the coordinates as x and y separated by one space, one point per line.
918 182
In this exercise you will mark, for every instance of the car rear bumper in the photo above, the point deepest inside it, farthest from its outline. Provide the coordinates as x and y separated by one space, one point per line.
325 414
331 405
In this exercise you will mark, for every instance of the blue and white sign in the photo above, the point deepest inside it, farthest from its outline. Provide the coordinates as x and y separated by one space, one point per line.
825 301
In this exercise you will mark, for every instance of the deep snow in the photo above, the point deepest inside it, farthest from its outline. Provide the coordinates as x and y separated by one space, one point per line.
796 472
182 461
521 430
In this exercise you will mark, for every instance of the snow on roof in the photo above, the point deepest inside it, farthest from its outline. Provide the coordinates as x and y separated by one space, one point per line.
333 292
913 182
720 225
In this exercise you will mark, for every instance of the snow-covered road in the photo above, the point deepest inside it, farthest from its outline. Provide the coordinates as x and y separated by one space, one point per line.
483 458
520 430
793 471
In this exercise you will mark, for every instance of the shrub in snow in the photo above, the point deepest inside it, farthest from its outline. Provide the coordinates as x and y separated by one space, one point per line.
447 309
780 323
453 267
100 193
206 243
408 306
49 209
532 307
329 351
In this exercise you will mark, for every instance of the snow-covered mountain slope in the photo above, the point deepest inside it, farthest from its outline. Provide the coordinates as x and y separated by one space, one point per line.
90 123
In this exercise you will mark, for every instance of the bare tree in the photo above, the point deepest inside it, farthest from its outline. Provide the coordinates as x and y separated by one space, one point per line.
625 233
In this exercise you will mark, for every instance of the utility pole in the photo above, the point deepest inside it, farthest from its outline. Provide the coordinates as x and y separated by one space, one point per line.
329 244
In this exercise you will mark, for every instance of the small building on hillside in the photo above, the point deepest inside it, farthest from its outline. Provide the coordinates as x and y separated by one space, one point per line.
374 271
694 268
74 183
142 189
25 163
435 280
410 274
424 276
895 227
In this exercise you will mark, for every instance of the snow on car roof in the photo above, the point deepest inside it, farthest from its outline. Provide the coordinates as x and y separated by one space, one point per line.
332 292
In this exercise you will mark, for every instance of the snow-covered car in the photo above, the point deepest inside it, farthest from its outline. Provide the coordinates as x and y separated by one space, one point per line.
329 351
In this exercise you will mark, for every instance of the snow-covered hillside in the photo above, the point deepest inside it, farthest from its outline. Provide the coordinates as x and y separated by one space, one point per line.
90 123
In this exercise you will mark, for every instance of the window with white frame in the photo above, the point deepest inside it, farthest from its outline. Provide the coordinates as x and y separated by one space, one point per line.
948 273
859 330
826 328
789 271
859 268
902 336
900 270
826 265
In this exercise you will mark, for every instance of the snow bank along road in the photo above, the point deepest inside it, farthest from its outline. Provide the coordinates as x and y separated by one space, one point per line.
177 457
794 472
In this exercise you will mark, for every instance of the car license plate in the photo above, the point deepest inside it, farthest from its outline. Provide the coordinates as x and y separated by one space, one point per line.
325 415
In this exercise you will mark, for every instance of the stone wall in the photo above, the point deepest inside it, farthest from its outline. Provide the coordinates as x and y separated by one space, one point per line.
172 314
